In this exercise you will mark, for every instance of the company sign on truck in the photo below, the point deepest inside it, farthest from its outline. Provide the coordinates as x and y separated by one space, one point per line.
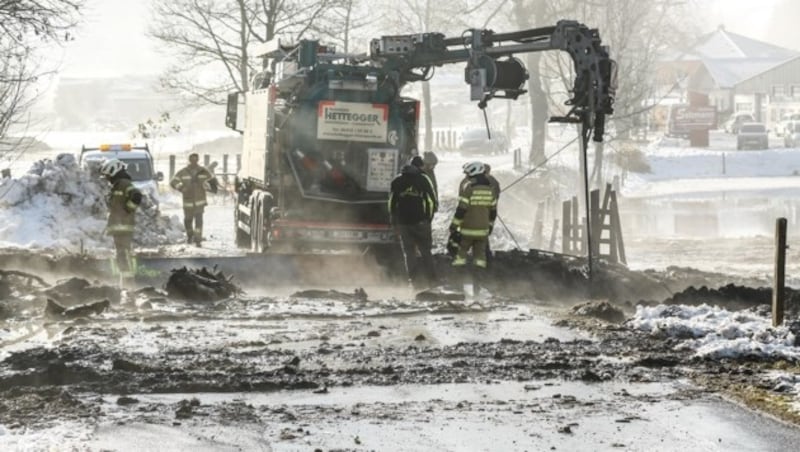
352 121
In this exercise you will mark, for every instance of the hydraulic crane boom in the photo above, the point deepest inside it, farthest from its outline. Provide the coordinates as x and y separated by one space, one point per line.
489 76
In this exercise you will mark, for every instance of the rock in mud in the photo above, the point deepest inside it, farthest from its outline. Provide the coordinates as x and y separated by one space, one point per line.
186 408
602 310
200 285
56 311
316 294
125 400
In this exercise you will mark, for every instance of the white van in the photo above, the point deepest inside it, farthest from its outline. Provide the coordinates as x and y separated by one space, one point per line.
139 161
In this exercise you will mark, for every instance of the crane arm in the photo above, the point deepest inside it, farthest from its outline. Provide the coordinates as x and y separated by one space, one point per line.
493 72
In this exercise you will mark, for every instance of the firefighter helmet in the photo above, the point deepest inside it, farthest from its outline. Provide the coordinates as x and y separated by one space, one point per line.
112 167
474 168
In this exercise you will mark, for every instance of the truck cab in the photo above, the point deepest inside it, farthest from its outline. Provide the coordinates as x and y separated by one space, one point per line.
138 159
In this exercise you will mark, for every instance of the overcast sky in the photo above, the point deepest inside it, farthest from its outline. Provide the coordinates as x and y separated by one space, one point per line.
112 40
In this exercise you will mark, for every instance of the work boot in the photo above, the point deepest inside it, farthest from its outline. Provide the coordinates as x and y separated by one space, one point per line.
189 238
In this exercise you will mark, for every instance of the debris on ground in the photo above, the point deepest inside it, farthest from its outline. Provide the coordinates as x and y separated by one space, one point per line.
55 311
358 294
440 294
200 285
732 296
59 205
77 291
602 310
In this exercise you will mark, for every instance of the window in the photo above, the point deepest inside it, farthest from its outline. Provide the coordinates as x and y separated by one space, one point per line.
778 91
795 91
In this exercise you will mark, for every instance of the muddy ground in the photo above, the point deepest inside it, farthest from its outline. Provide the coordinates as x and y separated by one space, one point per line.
285 369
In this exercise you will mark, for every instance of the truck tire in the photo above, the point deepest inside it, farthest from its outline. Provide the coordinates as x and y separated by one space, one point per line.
265 224
242 238
260 222
253 204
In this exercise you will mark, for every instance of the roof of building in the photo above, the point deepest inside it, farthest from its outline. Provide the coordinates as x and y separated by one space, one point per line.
722 44
729 72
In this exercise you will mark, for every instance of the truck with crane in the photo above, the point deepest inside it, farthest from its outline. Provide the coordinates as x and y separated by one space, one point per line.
324 133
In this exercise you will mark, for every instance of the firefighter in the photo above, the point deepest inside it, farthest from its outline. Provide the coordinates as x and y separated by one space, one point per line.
122 203
429 161
411 207
474 219
192 181
496 190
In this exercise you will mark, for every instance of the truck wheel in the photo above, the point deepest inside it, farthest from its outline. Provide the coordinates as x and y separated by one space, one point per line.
242 239
255 223
264 223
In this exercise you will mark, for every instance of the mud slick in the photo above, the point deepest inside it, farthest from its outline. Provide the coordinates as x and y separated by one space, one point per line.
141 356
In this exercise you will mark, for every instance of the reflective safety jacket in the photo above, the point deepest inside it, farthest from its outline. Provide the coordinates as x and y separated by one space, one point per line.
477 207
412 198
122 204
191 182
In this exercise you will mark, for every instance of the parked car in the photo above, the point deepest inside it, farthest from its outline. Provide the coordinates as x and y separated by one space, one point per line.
752 134
791 134
477 141
734 122
783 127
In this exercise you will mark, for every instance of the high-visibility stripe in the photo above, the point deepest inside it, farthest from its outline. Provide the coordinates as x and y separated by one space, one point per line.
458 221
130 205
480 263
459 262
475 232
120 228
464 200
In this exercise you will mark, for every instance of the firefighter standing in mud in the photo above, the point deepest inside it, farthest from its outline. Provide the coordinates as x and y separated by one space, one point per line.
122 203
474 219
412 203
191 181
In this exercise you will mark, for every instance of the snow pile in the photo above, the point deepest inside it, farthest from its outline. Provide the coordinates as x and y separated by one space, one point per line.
59 206
717 333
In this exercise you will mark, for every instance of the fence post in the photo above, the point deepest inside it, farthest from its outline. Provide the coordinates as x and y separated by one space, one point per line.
724 169
225 167
780 264
566 227
171 166
206 160
238 162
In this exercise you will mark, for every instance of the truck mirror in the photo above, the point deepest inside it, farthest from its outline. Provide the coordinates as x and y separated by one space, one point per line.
231 112
159 176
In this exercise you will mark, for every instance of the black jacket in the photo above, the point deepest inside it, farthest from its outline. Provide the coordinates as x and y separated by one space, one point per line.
412 199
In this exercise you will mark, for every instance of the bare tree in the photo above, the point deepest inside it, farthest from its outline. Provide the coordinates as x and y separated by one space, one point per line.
422 16
25 27
343 20
211 39
636 31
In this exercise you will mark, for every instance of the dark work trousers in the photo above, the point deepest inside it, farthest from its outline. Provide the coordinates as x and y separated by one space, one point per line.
193 215
417 237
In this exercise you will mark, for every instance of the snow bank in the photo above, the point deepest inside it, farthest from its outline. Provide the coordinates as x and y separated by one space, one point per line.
717 333
57 205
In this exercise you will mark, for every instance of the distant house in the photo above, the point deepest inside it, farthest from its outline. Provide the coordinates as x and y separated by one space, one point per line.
734 71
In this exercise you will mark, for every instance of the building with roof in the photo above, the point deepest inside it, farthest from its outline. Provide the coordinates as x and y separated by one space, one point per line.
736 73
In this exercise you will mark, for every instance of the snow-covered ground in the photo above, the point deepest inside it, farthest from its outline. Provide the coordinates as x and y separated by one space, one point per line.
716 333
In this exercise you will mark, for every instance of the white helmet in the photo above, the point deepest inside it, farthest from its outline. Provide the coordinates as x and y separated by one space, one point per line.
473 168
112 167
